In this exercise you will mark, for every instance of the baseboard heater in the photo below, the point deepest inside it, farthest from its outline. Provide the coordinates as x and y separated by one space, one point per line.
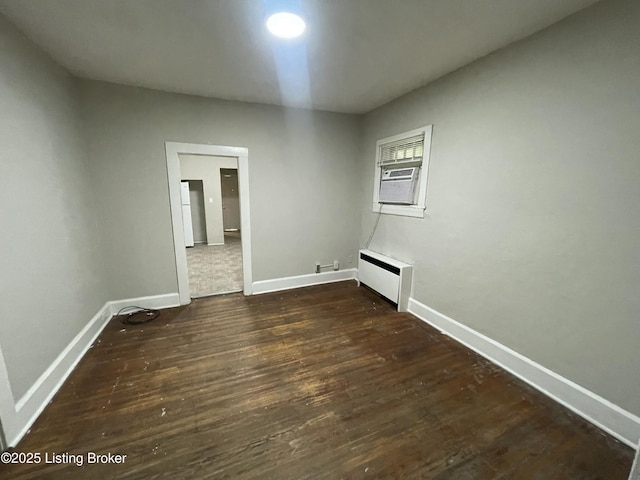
389 277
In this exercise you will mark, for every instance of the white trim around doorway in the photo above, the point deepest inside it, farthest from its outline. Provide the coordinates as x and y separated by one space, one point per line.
173 149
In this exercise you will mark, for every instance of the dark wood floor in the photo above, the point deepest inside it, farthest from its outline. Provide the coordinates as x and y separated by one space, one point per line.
325 382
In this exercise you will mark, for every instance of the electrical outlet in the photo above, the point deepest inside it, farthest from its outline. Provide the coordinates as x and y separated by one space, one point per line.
336 265
317 267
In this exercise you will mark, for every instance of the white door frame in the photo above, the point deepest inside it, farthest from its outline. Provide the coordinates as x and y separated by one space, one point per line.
173 149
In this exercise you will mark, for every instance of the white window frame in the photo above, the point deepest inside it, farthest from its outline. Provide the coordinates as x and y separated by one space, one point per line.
417 209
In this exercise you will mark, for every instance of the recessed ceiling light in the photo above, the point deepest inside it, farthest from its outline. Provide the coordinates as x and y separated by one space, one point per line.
285 25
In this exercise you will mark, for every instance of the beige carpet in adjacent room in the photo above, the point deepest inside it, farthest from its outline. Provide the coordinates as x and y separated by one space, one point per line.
215 269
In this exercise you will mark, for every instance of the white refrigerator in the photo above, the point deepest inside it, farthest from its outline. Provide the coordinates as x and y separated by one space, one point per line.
187 223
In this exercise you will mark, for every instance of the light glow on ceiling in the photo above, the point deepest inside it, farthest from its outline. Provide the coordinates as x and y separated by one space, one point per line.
286 25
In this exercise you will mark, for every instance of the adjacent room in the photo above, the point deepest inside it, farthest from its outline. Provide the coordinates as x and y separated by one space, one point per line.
393 240
211 222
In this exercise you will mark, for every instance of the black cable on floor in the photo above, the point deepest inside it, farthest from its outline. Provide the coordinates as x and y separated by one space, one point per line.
140 315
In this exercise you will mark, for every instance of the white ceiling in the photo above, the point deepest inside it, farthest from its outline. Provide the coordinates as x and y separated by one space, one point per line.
354 56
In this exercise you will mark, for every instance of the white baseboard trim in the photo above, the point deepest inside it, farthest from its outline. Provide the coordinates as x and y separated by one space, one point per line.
635 468
287 283
609 417
32 403
166 300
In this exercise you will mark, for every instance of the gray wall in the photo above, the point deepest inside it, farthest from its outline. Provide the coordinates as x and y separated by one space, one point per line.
532 231
207 168
303 177
532 228
51 261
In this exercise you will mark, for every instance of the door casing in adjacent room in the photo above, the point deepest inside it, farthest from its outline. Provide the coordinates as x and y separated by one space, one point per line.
230 199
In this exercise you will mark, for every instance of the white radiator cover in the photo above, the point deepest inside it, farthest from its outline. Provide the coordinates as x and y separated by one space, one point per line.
389 277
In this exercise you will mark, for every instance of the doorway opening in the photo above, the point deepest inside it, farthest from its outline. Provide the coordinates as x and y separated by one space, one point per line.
211 223
209 190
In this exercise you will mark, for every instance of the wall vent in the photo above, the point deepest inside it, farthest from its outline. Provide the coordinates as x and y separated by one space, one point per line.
389 277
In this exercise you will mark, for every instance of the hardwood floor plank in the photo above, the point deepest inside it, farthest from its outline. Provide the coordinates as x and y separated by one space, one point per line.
321 382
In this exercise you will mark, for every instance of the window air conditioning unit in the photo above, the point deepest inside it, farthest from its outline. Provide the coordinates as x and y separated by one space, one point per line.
398 185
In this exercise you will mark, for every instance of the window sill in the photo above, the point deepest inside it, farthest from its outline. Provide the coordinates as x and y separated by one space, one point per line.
401 210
